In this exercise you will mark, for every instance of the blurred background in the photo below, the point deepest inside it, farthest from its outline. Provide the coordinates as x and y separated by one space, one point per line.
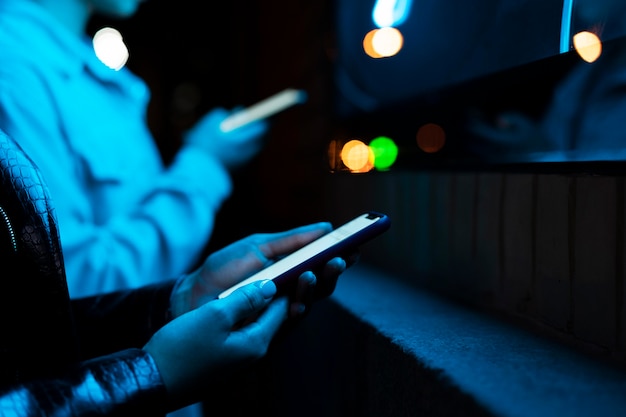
489 85
234 54
499 137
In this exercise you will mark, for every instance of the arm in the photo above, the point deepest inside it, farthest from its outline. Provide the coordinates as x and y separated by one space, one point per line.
121 384
121 319
116 228
169 372
208 340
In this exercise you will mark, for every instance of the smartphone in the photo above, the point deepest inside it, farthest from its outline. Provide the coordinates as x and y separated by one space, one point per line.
342 241
264 109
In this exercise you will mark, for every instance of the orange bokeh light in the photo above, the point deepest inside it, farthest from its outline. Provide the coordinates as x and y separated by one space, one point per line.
368 45
588 45
431 138
383 42
357 156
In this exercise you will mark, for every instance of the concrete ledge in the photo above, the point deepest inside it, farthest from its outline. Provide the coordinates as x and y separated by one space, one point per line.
506 370
379 348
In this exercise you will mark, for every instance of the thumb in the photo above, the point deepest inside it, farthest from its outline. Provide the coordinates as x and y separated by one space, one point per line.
248 300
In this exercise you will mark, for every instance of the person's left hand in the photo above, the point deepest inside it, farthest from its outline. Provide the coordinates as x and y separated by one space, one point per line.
237 261
209 344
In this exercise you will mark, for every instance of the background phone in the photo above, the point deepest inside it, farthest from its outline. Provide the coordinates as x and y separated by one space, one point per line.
340 242
264 109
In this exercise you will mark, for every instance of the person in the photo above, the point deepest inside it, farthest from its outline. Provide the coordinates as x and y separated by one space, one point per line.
581 117
127 218
144 351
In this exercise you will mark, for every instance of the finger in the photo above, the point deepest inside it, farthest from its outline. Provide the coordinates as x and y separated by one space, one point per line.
306 283
218 114
311 288
297 309
304 295
327 282
215 117
335 266
352 258
257 334
282 243
247 301
273 317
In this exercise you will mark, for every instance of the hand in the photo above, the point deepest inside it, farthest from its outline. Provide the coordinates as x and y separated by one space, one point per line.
211 342
232 148
508 129
237 261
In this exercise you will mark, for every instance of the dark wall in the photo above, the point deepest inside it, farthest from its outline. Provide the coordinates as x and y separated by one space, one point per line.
236 54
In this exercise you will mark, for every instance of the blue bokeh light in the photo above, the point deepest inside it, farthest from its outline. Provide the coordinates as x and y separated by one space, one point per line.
388 13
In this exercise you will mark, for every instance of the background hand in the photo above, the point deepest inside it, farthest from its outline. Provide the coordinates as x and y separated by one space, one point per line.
233 148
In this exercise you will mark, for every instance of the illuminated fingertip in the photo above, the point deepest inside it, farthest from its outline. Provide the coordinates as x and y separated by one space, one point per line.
268 288
309 277
339 263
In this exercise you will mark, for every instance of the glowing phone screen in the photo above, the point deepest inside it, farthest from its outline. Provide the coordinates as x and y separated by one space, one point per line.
310 250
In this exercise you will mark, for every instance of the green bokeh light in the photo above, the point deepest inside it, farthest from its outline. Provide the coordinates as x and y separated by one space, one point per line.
385 152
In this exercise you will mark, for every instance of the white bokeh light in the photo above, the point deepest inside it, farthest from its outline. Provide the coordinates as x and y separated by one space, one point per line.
110 48
387 41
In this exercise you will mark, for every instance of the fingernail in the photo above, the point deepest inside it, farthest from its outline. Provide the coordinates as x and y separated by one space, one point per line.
268 288
309 277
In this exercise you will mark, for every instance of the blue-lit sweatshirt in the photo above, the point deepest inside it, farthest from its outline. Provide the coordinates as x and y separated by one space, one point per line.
124 218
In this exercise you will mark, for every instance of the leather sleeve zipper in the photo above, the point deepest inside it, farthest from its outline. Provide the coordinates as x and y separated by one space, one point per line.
4 218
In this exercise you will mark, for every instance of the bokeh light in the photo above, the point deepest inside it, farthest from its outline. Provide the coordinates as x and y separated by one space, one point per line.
391 12
587 45
431 138
368 46
110 48
357 156
385 152
383 43
333 155
387 41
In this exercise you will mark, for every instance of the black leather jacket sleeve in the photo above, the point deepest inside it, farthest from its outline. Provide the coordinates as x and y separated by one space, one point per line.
126 383
63 357
116 377
121 319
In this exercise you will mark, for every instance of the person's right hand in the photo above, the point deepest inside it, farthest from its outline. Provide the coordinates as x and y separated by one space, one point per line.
232 148
508 130
241 259
211 342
